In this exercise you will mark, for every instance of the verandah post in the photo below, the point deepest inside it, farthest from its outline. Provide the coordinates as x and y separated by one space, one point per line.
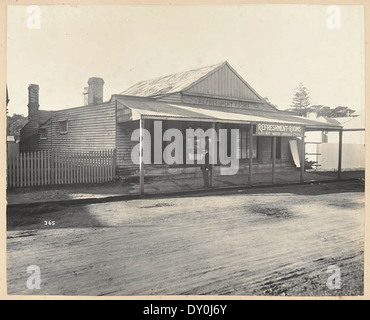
273 159
212 164
340 151
250 153
141 163
303 155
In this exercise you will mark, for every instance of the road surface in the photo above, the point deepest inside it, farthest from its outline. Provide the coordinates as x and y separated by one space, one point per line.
272 241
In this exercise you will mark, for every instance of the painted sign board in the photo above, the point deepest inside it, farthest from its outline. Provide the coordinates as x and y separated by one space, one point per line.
279 130
219 102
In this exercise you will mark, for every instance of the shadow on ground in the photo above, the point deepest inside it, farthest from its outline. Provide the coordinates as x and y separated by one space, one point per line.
81 216
43 216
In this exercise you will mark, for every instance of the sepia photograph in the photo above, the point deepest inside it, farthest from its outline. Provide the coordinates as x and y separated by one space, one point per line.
185 150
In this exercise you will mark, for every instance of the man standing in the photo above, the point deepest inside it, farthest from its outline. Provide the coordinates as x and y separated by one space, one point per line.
206 167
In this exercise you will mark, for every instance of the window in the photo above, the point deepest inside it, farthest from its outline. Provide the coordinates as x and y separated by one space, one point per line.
63 126
196 142
244 144
242 141
43 133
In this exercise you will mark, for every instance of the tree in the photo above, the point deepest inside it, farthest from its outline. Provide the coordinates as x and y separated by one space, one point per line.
301 100
321 111
338 112
14 124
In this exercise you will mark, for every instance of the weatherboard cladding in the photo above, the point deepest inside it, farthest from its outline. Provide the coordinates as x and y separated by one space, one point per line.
125 145
220 81
174 98
91 127
29 134
45 144
29 129
226 83
33 124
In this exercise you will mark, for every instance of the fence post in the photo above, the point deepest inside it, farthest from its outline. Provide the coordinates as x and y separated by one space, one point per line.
9 171
21 169
29 169
103 166
114 162
18 171
52 166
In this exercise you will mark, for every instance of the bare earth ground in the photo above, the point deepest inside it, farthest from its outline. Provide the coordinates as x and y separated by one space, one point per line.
157 185
272 241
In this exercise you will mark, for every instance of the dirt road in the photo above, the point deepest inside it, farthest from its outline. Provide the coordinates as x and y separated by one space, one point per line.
269 242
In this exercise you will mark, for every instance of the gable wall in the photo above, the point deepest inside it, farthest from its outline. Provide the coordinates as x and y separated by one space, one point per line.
91 127
29 137
46 144
224 82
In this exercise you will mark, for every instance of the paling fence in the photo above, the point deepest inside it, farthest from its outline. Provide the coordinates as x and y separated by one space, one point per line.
51 167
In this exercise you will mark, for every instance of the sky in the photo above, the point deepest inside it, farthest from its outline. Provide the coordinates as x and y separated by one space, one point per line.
273 47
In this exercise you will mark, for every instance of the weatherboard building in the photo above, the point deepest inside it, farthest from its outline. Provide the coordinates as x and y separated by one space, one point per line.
210 97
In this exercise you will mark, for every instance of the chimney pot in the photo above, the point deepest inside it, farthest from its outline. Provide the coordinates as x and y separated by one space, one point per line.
95 90
86 96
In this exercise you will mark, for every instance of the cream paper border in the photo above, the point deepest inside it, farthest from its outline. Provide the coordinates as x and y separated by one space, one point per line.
3 68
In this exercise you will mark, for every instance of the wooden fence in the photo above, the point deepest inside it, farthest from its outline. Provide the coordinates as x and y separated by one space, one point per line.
60 167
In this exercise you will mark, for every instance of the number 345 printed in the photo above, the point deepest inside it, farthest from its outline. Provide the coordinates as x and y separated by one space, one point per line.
49 223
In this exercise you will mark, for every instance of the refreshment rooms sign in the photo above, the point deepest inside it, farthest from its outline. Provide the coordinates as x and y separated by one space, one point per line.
279 130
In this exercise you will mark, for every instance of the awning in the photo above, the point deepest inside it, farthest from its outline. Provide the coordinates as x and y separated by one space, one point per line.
131 109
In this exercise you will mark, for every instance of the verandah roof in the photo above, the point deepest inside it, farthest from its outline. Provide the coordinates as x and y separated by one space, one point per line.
151 109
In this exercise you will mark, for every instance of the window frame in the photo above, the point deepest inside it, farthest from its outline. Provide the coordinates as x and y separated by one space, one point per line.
246 145
42 137
60 126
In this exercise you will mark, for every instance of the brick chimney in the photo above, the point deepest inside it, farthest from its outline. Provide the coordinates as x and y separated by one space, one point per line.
94 91
33 100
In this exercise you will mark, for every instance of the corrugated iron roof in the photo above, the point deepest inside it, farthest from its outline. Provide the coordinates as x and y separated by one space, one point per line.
327 120
156 109
358 122
170 83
